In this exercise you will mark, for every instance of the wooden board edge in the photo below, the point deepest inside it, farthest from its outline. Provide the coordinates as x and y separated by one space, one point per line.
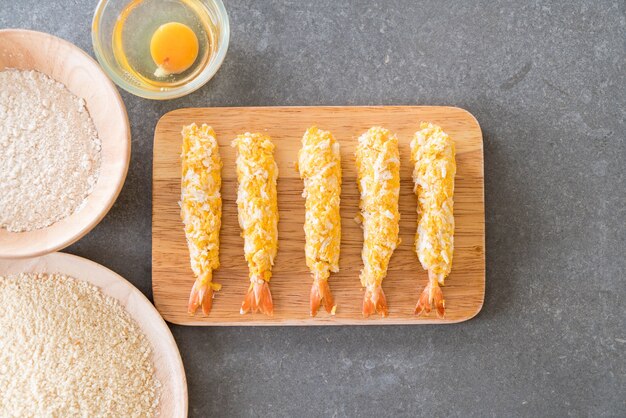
319 321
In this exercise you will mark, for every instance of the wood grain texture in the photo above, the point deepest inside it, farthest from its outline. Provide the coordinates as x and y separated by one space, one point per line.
167 362
291 282
68 64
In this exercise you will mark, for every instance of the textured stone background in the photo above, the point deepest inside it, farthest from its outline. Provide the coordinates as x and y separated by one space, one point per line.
546 81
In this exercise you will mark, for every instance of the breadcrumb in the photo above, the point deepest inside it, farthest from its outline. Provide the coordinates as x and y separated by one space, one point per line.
67 349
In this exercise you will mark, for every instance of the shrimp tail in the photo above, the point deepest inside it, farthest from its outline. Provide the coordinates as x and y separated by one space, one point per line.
374 301
201 295
258 298
432 296
320 291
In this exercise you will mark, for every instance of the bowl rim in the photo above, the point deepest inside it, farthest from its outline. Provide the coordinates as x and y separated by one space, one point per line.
203 78
124 158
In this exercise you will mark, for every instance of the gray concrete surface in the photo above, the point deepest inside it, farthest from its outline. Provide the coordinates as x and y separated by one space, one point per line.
547 82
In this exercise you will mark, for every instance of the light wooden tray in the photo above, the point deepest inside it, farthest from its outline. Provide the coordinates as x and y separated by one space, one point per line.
291 281
167 362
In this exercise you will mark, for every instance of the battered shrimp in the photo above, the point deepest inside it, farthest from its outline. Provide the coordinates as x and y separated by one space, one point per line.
433 153
257 205
378 166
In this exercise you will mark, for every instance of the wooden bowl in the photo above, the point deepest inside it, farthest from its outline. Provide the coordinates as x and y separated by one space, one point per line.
68 64
166 357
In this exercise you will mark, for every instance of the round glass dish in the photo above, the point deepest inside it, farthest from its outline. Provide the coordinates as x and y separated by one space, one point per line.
105 20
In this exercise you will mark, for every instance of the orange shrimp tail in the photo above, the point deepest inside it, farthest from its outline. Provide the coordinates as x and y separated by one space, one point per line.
321 292
432 296
258 299
201 295
374 300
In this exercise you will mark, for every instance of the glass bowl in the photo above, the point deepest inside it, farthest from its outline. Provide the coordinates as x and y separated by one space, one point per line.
102 29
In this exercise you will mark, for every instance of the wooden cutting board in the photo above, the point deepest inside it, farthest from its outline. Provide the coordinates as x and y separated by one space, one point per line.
291 281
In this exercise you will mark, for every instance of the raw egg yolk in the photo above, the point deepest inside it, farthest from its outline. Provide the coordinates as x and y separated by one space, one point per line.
174 48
